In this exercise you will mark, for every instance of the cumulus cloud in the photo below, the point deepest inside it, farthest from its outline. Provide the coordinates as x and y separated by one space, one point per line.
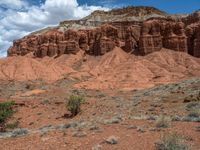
13 4
15 24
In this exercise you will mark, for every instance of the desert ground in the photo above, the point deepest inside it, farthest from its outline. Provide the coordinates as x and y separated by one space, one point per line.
111 117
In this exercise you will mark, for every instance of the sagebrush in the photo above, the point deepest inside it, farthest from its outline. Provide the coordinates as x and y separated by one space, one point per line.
74 104
172 141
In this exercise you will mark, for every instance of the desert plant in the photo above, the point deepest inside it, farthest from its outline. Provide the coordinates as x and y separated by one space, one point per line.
194 113
12 125
163 122
171 141
192 106
74 103
6 111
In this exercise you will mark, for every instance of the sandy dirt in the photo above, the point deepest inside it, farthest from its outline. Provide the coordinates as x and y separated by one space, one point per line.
124 97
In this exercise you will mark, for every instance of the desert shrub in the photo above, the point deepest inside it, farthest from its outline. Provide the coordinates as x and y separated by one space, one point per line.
194 113
192 106
12 125
74 104
171 142
6 111
163 122
191 98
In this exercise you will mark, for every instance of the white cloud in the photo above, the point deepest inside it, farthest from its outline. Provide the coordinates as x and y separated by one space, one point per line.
13 4
4 45
12 34
15 23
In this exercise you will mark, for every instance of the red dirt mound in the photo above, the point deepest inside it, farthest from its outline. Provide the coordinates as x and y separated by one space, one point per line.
115 69
27 68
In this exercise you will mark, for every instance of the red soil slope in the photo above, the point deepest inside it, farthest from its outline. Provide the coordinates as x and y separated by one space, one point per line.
116 69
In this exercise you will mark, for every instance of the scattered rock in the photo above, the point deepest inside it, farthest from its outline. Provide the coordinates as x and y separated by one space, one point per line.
176 118
79 134
94 127
113 120
151 109
140 129
19 132
97 147
151 118
63 126
155 129
132 127
112 140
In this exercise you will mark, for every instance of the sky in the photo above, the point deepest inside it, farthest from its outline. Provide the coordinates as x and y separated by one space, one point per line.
21 17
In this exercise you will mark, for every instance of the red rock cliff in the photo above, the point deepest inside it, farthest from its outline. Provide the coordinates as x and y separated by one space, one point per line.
141 36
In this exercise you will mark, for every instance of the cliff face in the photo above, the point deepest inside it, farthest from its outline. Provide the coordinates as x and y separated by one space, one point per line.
157 34
125 14
192 18
141 30
94 42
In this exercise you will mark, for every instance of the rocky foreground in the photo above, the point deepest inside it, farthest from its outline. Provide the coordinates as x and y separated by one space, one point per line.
109 119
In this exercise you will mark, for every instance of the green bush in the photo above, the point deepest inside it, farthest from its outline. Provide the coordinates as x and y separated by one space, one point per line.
74 104
171 142
163 122
6 111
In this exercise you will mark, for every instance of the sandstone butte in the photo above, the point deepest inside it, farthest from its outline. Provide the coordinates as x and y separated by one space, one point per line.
143 30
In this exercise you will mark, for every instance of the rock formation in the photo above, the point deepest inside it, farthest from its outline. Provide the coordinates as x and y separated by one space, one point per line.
193 34
141 30
150 39
94 42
